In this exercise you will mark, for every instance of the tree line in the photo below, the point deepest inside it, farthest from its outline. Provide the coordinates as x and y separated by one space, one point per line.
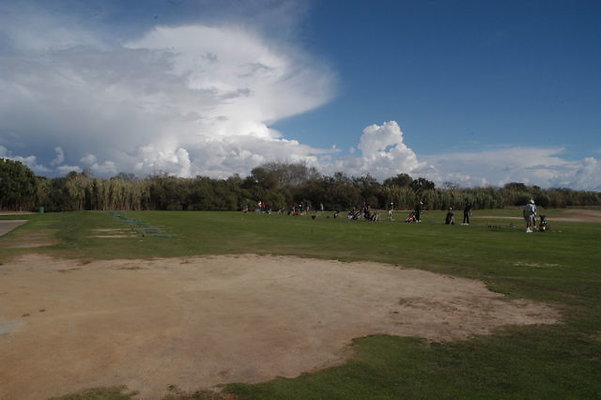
279 185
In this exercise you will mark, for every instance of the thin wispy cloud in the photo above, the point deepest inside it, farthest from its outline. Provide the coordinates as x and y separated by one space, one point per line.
540 166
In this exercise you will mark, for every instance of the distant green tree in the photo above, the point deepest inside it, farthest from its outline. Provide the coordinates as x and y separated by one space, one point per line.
125 176
265 178
168 193
18 186
291 174
370 191
43 191
422 184
279 185
516 186
402 180
341 193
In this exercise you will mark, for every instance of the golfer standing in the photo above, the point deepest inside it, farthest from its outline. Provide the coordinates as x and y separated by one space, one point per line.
418 211
466 213
530 215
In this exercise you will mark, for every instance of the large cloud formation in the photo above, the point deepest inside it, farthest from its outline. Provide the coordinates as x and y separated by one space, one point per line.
199 99
183 100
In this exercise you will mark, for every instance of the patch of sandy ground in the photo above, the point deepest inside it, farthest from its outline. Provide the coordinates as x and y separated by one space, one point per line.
568 215
580 215
40 238
111 233
197 322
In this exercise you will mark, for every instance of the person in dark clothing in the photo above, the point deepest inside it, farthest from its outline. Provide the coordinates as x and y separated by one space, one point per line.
366 213
450 218
543 225
418 212
466 213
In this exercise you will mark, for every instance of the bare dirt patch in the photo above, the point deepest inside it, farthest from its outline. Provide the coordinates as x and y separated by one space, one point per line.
25 239
567 215
580 215
110 236
111 233
38 238
200 321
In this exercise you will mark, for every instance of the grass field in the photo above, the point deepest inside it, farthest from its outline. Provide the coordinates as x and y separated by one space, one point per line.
562 267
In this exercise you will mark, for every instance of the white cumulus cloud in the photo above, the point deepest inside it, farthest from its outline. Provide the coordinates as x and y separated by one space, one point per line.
381 153
30 161
586 175
186 100
60 156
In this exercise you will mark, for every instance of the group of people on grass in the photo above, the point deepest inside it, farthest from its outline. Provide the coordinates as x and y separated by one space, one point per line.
529 213
449 219
365 213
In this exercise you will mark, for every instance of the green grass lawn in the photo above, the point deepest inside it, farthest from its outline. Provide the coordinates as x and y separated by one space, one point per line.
562 267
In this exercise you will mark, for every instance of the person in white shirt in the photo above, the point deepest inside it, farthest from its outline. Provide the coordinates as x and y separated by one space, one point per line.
530 215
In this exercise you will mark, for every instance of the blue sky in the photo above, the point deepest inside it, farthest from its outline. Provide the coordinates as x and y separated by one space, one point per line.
462 75
470 92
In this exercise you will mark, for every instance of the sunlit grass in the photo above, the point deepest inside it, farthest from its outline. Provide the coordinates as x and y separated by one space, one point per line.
561 267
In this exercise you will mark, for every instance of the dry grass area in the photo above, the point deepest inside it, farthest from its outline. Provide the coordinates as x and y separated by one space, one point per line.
39 238
200 321
111 233
580 215
567 215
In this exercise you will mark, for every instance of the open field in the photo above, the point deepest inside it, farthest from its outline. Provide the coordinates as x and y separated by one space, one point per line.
484 311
